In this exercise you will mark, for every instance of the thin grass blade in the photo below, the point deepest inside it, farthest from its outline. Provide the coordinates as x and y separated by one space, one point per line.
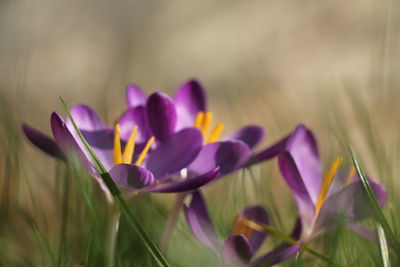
152 248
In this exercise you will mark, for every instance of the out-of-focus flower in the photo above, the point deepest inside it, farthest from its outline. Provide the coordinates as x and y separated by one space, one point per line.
134 169
188 108
324 202
243 241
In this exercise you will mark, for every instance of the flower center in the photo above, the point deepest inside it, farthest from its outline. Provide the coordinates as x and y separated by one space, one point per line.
129 150
240 226
203 122
327 182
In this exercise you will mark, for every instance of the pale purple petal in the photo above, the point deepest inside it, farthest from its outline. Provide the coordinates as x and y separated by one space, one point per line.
102 143
134 117
259 215
200 223
292 177
42 141
228 155
251 135
189 99
283 251
189 184
85 118
350 203
368 234
135 96
303 148
68 144
131 176
236 250
268 153
162 116
175 153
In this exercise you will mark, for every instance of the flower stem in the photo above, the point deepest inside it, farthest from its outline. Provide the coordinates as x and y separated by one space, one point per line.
172 221
112 235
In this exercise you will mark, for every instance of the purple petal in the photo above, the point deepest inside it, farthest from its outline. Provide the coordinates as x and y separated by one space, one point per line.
350 203
368 234
187 185
260 215
131 176
189 99
251 135
85 118
102 143
134 96
175 153
236 250
134 117
292 177
268 153
283 251
161 115
200 223
303 148
228 155
42 141
68 144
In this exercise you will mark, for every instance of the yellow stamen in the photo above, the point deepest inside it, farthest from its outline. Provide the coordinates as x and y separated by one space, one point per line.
144 151
326 184
350 176
117 146
215 134
206 123
249 230
199 120
235 224
130 147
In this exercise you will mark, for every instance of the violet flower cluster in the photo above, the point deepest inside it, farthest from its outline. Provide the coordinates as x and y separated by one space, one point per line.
161 144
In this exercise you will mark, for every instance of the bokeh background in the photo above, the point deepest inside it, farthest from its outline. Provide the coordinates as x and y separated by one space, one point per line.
332 65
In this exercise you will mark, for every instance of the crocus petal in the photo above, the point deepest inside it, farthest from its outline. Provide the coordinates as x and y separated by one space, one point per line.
303 148
368 234
135 96
259 215
85 118
199 221
131 176
67 143
134 117
281 252
236 250
189 99
292 177
102 143
42 141
251 135
162 116
228 155
188 184
175 153
350 203
268 153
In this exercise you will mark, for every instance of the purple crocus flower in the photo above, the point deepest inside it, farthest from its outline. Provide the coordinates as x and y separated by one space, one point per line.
243 241
136 169
188 108
323 202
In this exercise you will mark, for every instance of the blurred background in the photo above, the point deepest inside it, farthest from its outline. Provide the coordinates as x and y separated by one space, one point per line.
332 65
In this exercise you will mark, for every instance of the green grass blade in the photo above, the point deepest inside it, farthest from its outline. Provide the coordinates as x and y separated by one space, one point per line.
383 247
376 209
150 245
